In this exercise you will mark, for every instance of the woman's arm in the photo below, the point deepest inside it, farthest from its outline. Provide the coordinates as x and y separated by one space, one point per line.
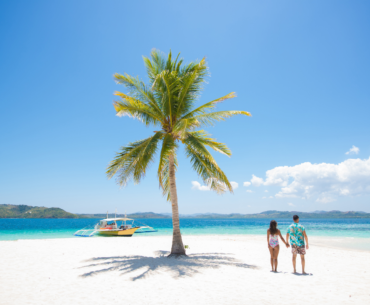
268 238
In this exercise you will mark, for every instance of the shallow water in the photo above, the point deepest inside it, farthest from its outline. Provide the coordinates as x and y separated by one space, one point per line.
13 229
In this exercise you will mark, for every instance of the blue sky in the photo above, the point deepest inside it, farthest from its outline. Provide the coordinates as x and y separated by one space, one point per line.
301 68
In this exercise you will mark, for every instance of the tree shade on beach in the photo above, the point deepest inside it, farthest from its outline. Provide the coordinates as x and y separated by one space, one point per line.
168 101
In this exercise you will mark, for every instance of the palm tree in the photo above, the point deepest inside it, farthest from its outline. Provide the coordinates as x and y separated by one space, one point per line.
168 102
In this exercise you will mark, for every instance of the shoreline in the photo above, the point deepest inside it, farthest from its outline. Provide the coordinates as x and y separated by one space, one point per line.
361 244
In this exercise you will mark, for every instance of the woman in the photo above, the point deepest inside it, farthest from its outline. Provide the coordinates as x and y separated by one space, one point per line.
273 234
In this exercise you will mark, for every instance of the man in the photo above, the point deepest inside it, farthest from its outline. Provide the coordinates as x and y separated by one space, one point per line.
297 234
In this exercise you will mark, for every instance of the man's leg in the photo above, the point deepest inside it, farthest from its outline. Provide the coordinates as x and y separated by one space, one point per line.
294 261
303 261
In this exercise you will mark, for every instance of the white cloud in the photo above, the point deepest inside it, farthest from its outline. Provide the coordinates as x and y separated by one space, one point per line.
256 181
323 182
264 197
325 199
291 204
249 191
354 150
271 197
266 191
247 183
198 186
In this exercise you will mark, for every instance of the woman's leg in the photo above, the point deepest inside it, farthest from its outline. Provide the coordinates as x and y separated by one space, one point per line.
276 254
272 257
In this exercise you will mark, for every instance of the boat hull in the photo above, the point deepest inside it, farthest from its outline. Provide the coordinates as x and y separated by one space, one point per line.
123 233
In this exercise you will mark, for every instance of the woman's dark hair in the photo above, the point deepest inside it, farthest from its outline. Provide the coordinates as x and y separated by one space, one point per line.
273 227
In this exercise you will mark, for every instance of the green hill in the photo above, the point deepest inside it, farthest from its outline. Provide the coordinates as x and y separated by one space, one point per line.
26 211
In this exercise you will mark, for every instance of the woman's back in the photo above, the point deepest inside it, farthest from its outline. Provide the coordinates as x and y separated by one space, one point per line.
274 238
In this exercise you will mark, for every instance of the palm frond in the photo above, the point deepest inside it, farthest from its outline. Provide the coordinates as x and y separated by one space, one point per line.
167 84
208 106
137 89
211 118
184 125
192 80
136 109
134 159
155 65
207 168
199 66
202 137
187 87
169 63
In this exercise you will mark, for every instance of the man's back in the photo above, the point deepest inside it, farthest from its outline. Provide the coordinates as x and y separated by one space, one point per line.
295 232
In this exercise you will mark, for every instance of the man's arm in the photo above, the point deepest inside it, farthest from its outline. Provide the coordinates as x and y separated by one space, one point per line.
287 239
305 236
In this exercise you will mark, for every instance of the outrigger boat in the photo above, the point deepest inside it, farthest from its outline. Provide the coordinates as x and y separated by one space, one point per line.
115 227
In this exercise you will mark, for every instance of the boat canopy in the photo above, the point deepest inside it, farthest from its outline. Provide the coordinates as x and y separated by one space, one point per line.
115 219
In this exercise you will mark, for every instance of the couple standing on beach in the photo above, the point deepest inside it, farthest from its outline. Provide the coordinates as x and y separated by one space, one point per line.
296 234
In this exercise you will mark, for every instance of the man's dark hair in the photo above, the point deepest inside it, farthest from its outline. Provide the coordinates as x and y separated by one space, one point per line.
295 217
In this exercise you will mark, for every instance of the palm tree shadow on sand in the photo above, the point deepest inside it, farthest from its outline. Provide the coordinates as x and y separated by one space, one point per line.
146 265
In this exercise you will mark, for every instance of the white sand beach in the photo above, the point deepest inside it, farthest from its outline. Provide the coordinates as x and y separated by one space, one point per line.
227 269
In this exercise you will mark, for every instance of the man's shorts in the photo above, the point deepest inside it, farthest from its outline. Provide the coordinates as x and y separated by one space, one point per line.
298 250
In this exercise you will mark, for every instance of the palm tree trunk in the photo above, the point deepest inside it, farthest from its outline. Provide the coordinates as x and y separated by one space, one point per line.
177 245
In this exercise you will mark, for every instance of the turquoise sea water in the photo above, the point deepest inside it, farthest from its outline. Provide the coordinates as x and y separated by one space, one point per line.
13 229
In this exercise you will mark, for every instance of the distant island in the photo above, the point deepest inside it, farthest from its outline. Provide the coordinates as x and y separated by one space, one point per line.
284 214
267 214
25 211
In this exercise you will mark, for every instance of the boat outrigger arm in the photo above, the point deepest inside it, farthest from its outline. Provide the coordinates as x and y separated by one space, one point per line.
109 227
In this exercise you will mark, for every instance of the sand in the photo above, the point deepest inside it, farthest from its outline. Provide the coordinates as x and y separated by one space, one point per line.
227 269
